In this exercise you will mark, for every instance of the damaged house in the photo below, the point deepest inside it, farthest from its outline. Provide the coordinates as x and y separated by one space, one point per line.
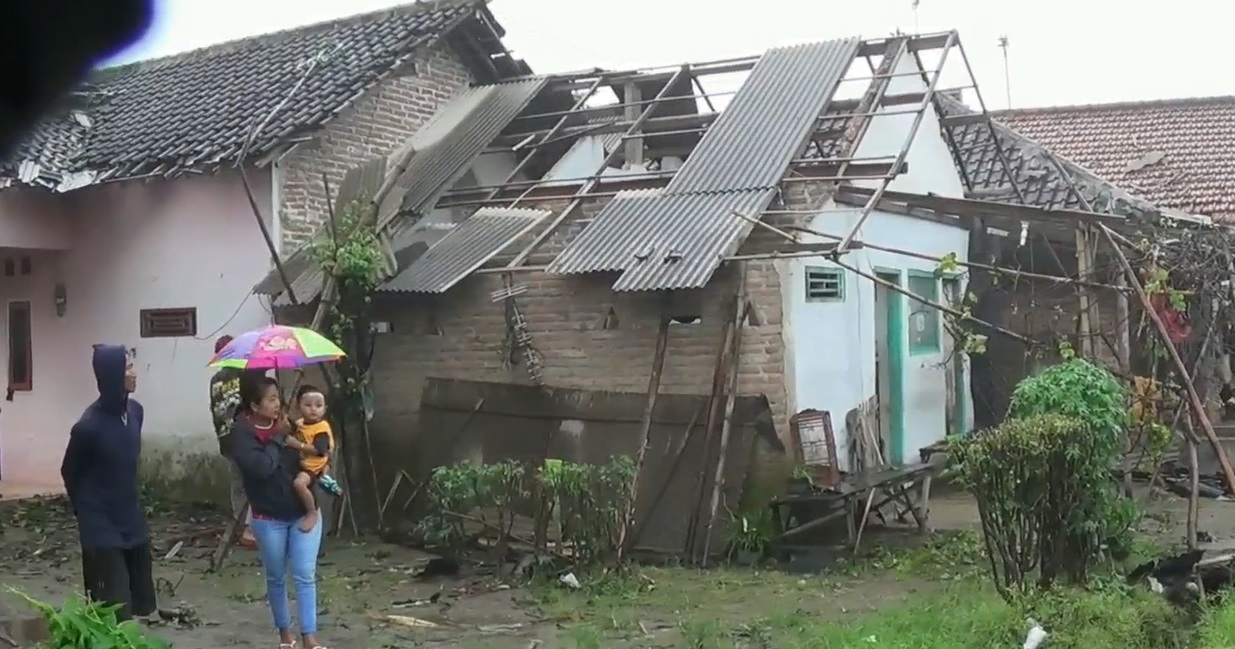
556 233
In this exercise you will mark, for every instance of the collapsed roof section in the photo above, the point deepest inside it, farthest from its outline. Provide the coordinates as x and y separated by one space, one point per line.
711 157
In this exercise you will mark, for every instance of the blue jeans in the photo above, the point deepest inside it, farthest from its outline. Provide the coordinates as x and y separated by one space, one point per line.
281 545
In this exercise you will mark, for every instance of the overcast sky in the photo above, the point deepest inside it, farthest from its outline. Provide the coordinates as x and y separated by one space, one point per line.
1060 51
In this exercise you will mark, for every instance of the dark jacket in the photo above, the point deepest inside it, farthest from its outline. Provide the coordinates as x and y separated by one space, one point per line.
267 469
100 462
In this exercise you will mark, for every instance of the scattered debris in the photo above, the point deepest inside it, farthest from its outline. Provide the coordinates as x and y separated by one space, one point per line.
403 603
570 581
408 621
183 616
1036 636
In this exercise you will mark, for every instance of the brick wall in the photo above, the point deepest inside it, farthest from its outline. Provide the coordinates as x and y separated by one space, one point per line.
375 125
567 318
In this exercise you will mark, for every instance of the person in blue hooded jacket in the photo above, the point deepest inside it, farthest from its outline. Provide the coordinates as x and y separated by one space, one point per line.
100 478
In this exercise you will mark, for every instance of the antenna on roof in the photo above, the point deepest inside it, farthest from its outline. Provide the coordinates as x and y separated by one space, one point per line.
1007 71
914 7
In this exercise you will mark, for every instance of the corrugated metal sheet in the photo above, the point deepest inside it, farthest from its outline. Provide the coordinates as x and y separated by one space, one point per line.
445 147
755 138
677 238
662 241
448 143
468 246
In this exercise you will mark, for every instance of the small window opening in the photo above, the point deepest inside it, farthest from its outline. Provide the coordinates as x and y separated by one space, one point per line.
824 284
10 268
24 266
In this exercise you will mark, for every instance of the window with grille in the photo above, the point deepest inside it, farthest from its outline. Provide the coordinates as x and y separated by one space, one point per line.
824 284
169 323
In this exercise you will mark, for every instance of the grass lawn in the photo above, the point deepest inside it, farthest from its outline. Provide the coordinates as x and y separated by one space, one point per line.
934 597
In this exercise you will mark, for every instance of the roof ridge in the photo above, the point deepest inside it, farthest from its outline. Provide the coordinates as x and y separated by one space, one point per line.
268 38
1117 105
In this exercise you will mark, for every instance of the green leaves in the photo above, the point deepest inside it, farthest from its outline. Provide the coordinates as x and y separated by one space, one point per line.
80 624
352 252
589 501
1048 505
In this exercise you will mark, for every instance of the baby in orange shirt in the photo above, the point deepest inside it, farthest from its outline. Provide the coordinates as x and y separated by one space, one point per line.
314 439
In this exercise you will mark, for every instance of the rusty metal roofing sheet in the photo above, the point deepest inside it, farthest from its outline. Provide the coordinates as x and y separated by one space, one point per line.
662 241
759 133
452 139
467 247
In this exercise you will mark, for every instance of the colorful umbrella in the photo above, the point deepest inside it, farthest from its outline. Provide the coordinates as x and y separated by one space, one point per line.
277 347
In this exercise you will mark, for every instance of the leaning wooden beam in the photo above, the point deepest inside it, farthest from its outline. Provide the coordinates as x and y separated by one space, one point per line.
1194 399
726 430
905 146
834 258
935 305
916 255
625 539
231 535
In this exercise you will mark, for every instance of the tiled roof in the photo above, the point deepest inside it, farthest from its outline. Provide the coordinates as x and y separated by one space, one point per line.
1043 175
196 110
1176 153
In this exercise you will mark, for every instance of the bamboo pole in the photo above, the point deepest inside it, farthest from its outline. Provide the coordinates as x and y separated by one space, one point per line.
1194 400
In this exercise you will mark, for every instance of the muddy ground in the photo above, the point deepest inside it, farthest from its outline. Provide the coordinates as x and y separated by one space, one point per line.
360 582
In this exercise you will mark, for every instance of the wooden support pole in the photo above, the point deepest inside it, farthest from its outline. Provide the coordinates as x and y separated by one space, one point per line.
1194 482
1123 335
712 413
1083 264
726 430
231 536
1194 399
645 425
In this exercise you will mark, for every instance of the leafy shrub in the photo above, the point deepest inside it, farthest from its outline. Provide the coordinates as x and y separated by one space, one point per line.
590 502
1046 501
1081 390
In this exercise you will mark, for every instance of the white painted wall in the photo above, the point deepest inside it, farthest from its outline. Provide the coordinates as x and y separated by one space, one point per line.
832 344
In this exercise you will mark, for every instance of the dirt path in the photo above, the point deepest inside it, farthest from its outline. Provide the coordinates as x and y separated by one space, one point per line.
360 582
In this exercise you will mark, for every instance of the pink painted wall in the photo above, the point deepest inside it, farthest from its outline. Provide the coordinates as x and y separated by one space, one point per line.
47 229
189 242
